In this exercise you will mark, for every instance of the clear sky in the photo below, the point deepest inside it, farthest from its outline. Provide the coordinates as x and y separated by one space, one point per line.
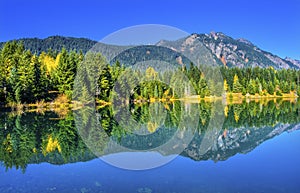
272 25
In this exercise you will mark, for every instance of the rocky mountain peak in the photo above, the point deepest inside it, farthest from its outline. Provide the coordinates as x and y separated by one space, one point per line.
293 61
233 52
242 40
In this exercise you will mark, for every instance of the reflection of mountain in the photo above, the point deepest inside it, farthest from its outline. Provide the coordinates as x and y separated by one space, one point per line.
36 138
233 141
57 159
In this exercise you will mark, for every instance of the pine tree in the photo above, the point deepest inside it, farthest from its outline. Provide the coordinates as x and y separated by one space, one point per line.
203 88
116 71
237 87
105 83
225 85
155 90
194 75
271 88
151 74
40 80
10 58
65 72
2 81
252 89
264 85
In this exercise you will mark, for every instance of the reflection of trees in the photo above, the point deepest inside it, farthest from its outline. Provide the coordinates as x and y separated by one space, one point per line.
204 114
258 114
92 133
246 126
31 138
34 138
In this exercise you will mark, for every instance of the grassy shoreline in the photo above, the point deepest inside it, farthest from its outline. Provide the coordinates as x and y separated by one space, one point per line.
63 103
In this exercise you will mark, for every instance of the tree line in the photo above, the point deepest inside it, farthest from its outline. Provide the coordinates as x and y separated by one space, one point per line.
28 77
261 81
38 46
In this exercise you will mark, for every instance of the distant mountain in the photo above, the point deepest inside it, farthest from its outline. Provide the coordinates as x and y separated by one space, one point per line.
211 49
230 52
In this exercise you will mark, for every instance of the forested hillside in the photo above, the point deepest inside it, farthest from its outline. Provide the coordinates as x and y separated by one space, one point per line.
56 43
28 77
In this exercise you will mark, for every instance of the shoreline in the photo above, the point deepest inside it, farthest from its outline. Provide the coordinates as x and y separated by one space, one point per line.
229 98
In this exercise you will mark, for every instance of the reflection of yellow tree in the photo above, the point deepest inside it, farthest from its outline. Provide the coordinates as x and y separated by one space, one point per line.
203 121
156 116
236 116
152 126
52 145
237 111
226 111
7 143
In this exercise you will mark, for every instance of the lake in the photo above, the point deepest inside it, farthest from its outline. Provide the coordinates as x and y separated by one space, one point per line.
177 147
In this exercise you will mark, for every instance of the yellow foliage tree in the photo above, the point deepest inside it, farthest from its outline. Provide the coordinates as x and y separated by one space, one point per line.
226 111
235 79
151 73
225 85
57 59
49 62
7 144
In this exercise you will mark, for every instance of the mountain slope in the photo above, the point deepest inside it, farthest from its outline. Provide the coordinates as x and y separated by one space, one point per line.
232 52
192 48
56 43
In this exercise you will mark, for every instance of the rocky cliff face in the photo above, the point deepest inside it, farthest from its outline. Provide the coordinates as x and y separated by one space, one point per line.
229 52
293 61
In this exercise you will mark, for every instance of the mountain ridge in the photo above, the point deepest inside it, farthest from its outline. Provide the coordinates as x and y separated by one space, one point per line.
56 43
233 52
215 48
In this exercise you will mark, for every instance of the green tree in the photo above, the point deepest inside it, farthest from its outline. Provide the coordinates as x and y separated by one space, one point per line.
155 90
237 87
252 88
65 72
271 88
284 86
11 54
105 83
203 88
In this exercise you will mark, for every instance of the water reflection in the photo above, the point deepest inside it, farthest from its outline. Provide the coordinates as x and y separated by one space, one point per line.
46 137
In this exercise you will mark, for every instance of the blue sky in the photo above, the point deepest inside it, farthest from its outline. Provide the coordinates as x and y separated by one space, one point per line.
271 25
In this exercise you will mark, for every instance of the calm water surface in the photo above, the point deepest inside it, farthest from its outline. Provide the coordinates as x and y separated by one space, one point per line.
256 149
